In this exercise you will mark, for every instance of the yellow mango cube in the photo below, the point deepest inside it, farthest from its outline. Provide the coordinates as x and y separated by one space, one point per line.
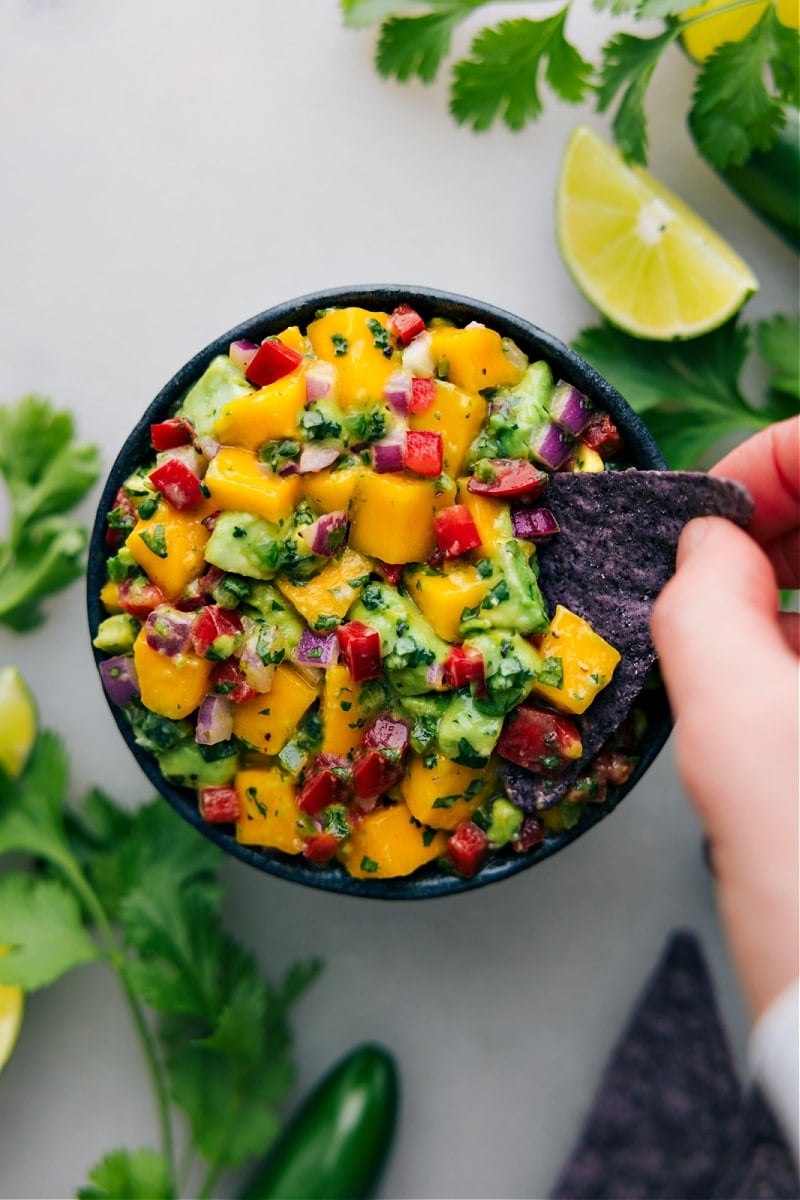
268 813
264 416
475 357
240 483
389 842
492 517
354 340
333 491
170 686
443 595
587 659
456 414
109 597
267 722
343 719
330 593
587 459
294 339
445 794
392 517
184 539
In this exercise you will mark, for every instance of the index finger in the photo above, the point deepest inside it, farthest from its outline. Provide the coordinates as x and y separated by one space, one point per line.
768 464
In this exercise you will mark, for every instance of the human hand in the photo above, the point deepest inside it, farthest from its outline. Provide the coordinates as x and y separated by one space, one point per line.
730 665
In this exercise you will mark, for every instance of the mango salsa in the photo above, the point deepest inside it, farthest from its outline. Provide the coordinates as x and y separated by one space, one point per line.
587 662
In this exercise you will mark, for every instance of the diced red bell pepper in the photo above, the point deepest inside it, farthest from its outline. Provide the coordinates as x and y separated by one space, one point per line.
227 679
386 733
424 453
121 519
613 766
406 323
327 783
219 804
272 361
391 573
423 394
602 435
321 847
530 835
464 665
360 647
456 531
541 741
179 486
169 434
509 477
375 772
216 632
138 597
467 849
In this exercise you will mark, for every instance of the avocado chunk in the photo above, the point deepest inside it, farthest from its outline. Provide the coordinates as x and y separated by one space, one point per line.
466 734
153 732
409 646
116 634
425 712
505 822
510 665
266 603
191 765
244 544
513 600
221 382
514 413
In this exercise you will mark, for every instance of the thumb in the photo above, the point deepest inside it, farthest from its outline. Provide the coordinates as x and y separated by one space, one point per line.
715 623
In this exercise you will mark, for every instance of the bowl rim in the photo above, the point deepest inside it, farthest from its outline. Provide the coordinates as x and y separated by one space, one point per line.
642 450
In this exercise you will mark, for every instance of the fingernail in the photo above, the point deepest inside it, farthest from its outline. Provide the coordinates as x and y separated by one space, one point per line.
692 537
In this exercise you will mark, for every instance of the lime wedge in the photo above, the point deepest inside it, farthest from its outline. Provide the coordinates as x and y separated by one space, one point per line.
702 37
649 263
12 1002
17 721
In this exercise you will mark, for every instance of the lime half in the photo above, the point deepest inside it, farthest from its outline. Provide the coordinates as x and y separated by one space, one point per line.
12 1002
17 721
649 263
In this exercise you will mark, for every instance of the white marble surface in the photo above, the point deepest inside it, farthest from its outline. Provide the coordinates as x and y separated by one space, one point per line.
169 168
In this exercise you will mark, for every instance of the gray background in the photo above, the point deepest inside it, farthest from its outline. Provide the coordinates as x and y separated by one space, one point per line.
168 169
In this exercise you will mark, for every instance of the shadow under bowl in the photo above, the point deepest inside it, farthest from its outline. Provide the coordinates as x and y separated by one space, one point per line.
641 452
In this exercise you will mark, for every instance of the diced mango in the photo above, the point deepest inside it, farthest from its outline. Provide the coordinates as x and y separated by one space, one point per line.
267 722
392 517
458 416
492 517
389 842
170 686
353 340
443 595
269 815
329 594
109 597
294 339
587 459
333 491
475 357
264 416
185 539
342 716
444 794
239 483
588 662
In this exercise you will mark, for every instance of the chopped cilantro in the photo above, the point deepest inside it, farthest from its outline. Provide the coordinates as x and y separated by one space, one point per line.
156 540
340 344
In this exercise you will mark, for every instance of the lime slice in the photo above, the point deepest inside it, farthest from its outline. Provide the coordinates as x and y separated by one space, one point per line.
17 721
12 1002
649 263
702 38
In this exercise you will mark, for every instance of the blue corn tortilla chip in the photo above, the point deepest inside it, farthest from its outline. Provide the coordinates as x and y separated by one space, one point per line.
613 555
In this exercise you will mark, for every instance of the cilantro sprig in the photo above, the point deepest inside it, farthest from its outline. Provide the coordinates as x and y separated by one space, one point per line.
740 99
140 891
690 394
47 473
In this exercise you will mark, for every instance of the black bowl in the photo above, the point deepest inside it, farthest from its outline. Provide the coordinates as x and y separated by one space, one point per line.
642 452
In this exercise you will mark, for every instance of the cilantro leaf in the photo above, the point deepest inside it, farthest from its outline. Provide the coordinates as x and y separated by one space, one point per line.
500 79
410 47
46 473
40 920
129 1175
644 9
31 807
734 111
628 66
778 340
359 14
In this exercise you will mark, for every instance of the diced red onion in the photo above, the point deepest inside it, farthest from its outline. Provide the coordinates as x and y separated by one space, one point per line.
518 358
316 649
168 629
570 409
316 458
312 675
435 675
475 325
320 380
535 524
290 468
327 533
365 803
207 447
418 355
214 721
257 674
188 456
119 678
388 454
242 353
397 391
550 446
386 733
